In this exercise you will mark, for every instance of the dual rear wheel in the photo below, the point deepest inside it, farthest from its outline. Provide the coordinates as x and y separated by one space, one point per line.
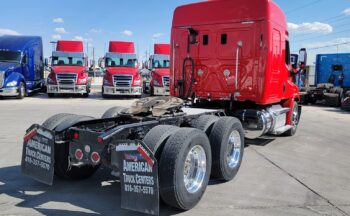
188 157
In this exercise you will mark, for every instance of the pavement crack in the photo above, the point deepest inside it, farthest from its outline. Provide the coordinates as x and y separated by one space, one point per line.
302 183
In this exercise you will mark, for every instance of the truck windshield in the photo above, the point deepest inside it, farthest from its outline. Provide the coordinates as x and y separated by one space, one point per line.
161 61
67 61
9 56
121 61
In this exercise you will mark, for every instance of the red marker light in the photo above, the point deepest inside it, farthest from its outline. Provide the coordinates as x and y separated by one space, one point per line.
76 135
99 139
95 157
79 154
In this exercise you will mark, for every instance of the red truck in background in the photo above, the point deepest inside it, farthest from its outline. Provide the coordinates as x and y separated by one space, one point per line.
159 64
122 76
69 74
236 53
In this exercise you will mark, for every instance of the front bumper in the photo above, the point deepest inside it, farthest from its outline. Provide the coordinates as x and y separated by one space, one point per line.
162 91
109 90
9 91
67 89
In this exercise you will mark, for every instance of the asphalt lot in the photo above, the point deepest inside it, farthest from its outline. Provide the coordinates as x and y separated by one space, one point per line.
308 174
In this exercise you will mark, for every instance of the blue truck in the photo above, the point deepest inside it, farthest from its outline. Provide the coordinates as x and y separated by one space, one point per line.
21 66
332 81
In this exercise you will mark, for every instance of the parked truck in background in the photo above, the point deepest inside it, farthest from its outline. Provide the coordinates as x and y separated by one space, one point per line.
159 64
163 147
332 80
69 71
21 65
122 75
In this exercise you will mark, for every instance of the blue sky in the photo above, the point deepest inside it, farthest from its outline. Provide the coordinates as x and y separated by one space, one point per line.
312 23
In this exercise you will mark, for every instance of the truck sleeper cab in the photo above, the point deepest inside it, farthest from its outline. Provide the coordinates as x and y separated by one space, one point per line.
239 60
68 70
121 73
21 66
160 70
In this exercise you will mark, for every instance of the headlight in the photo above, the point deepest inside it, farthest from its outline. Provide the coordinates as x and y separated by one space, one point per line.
83 81
12 84
137 82
106 82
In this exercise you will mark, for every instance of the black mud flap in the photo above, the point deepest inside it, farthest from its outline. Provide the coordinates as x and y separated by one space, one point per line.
138 176
38 154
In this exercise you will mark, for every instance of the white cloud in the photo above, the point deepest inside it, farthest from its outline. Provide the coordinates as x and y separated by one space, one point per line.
346 12
157 35
58 20
80 38
56 37
315 27
61 30
95 30
127 33
8 32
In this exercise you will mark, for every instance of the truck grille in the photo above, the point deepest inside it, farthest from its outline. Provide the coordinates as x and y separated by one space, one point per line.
122 80
66 78
166 82
2 76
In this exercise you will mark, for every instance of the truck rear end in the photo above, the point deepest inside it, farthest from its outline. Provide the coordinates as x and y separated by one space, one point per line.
122 77
236 53
159 64
68 71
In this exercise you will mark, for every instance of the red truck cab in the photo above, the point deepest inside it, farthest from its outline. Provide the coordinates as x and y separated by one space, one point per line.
236 53
122 76
68 70
159 63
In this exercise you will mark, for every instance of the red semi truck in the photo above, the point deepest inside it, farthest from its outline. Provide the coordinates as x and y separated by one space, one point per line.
159 64
69 73
236 53
231 55
122 76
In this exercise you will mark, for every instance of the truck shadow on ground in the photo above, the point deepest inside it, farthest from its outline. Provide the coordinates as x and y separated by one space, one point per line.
98 195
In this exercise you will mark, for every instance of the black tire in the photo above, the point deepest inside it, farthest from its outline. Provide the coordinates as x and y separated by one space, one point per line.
171 168
21 91
332 100
295 121
86 95
114 112
62 168
205 123
50 95
157 136
219 141
52 122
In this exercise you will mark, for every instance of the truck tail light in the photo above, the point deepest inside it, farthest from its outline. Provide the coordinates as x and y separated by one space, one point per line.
99 139
95 157
76 135
79 154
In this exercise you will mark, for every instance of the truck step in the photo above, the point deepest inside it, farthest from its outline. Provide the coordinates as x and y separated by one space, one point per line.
281 130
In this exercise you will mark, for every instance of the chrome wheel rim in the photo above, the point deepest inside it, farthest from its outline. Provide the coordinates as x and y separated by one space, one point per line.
295 117
22 90
194 169
234 149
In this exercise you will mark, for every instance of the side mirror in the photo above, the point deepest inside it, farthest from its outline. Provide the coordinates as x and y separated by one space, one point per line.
46 62
302 57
